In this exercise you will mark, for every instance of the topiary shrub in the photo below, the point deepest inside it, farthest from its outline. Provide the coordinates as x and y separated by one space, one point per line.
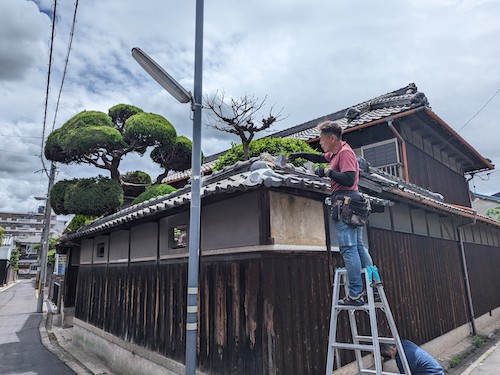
57 194
271 145
154 191
93 196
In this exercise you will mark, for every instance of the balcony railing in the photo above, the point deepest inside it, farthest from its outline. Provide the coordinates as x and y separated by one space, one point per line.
395 169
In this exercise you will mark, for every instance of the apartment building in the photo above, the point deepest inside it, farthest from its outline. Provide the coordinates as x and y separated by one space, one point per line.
23 230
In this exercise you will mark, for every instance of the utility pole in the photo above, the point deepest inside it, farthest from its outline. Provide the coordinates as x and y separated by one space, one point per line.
45 240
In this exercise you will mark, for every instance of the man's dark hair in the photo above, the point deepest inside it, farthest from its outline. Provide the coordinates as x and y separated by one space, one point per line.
330 127
385 350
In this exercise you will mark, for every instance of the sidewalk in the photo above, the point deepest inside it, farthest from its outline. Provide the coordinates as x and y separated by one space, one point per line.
60 341
488 363
475 361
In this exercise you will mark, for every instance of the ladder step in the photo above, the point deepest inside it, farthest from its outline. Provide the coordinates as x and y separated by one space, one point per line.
382 340
362 343
379 305
346 345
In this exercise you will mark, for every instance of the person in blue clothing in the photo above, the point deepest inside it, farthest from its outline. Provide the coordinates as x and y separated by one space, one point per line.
420 362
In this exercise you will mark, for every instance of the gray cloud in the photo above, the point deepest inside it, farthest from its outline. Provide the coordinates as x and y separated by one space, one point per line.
20 44
310 60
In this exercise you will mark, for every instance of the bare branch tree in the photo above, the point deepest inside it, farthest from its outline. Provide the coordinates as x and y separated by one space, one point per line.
238 116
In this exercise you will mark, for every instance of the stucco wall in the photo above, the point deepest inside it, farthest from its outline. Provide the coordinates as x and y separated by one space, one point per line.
296 220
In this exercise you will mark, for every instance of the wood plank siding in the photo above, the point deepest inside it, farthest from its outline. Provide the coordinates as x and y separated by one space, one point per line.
423 281
482 263
269 313
258 315
427 172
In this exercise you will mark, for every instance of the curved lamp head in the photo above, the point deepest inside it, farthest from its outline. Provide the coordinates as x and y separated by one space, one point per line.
161 76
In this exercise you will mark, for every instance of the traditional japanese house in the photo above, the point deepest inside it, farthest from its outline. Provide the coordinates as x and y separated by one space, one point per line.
265 274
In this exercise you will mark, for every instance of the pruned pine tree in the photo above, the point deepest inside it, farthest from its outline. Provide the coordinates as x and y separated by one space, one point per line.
102 140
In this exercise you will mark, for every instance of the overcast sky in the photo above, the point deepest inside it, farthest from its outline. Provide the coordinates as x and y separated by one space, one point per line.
310 58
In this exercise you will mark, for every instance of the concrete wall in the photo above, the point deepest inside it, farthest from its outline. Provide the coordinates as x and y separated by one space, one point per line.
123 357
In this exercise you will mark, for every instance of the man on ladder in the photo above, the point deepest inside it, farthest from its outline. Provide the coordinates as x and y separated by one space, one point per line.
349 213
344 175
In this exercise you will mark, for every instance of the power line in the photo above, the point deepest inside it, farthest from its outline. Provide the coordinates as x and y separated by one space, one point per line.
66 171
48 85
72 33
478 112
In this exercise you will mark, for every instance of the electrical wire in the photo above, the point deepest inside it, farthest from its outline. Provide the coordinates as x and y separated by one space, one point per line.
72 33
478 112
48 87
66 171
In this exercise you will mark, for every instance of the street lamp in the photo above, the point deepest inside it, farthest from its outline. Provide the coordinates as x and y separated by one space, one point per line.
161 76
183 96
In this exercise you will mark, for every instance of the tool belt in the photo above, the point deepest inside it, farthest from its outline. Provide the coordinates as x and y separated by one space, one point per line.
354 212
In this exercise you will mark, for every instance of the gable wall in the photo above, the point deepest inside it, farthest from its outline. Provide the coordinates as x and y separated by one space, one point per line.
429 173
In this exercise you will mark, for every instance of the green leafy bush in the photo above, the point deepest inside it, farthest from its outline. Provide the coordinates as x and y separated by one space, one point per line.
57 194
494 213
271 145
93 196
79 221
14 259
51 257
154 191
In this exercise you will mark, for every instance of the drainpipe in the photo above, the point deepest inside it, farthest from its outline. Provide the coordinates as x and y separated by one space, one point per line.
403 147
466 273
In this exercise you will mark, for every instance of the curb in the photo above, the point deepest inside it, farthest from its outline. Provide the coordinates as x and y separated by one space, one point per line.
49 340
5 287
480 359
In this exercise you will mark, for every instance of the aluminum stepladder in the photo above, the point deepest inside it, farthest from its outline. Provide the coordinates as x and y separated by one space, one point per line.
363 343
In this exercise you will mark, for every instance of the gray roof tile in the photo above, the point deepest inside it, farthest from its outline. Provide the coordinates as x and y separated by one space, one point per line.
243 177
374 109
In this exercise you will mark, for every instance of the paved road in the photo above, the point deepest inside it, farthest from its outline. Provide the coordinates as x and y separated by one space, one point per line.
489 363
21 349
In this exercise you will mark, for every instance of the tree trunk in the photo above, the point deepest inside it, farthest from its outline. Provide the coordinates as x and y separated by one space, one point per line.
161 176
246 152
115 173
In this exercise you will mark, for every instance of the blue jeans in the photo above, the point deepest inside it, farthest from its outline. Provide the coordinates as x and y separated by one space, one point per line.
355 255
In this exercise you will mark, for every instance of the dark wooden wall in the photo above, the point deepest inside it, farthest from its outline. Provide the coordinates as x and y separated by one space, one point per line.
269 313
430 174
484 277
423 282
259 315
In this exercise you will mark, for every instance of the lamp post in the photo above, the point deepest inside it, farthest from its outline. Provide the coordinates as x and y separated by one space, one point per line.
45 240
183 96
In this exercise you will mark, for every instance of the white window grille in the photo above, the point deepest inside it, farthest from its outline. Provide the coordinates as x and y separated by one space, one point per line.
383 155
